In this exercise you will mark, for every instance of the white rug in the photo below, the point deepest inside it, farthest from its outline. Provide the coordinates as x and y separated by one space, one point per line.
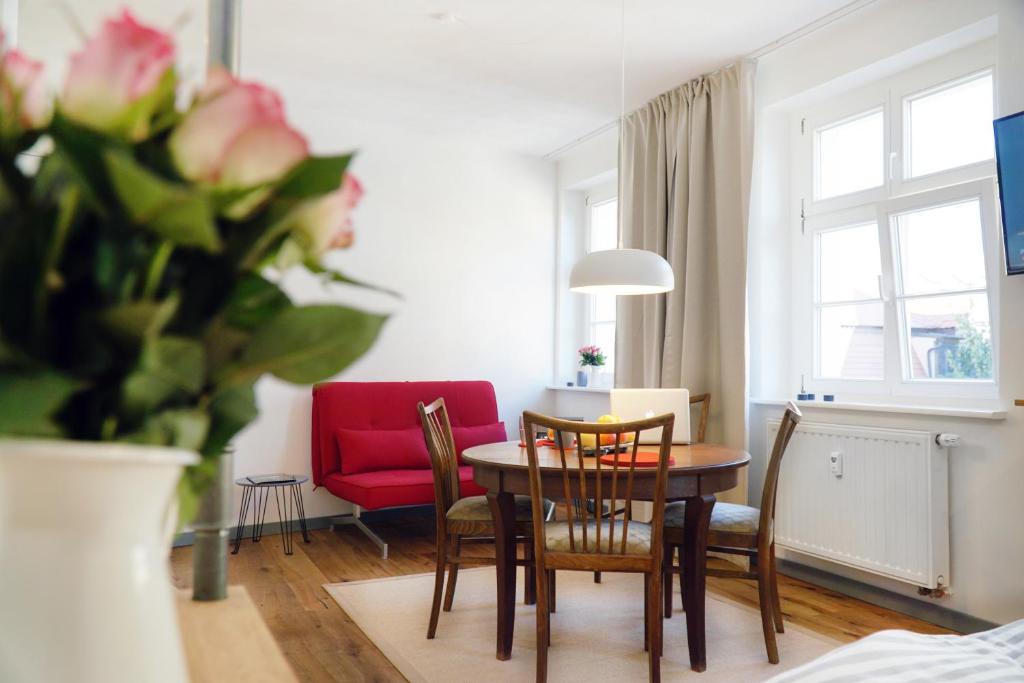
597 632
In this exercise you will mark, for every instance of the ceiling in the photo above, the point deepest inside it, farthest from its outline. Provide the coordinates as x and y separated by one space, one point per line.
525 75
528 75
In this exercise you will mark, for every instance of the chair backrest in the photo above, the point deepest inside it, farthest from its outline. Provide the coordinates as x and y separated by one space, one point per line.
705 409
790 420
587 478
437 431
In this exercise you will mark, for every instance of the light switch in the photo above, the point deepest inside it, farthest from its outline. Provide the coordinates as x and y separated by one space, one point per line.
835 463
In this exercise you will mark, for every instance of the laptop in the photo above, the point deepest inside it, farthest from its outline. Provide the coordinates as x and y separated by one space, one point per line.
636 404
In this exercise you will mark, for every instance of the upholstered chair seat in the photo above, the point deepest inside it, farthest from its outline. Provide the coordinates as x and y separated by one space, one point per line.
638 537
476 508
730 517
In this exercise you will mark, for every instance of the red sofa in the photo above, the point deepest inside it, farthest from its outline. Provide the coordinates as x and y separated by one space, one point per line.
368 446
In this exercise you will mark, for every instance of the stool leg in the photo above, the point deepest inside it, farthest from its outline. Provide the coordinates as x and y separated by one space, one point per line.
301 507
243 510
285 521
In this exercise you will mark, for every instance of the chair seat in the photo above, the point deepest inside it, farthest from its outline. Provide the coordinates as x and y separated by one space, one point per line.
476 509
638 541
730 517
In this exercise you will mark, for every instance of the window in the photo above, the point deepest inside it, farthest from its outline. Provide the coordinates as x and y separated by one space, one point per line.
602 234
940 287
950 126
851 321
849 155
899 225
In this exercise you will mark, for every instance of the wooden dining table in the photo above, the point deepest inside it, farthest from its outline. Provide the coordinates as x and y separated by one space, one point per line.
698 472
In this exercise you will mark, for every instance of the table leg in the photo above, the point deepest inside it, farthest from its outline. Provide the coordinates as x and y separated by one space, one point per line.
242 512
694 568
504 515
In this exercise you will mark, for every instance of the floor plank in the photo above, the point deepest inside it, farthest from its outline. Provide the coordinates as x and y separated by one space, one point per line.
323 644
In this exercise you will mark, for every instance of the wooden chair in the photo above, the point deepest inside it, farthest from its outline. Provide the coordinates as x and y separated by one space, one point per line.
705 409
742 530
463 519
591 542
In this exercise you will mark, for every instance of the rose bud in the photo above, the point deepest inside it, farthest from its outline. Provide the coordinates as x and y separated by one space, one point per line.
236 136
110 79
326 223
23 95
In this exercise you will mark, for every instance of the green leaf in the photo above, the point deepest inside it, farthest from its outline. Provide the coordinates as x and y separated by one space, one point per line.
136 320
196 479
231 410
168 367
29 399
339 277
180 428
253 302
84 148
314 177
179 213
306 344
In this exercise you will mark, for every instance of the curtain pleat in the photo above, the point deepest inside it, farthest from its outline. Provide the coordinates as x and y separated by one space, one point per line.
684 190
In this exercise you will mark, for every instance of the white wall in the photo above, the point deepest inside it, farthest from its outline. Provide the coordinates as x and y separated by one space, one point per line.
987 471
466 235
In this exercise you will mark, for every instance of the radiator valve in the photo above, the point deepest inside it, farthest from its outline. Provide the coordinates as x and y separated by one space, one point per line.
947 440
940 590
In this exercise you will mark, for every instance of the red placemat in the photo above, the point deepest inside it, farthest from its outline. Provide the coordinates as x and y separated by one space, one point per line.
643 459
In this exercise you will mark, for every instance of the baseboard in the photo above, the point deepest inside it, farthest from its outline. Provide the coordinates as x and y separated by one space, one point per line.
930 612
369 517
269 529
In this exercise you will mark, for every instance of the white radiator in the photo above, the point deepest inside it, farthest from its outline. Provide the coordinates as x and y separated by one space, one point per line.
886 511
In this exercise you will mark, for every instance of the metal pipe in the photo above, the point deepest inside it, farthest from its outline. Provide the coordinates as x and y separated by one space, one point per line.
223 36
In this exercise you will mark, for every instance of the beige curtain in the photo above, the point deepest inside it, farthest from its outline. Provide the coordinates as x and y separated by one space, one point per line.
684 189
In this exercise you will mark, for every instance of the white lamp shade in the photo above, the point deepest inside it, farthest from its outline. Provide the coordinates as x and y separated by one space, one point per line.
622 271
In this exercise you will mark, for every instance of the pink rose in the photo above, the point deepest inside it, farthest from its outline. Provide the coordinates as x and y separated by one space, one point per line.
112 83
326 223
23 91
236 135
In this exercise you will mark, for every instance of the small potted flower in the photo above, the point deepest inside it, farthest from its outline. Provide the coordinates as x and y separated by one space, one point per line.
591 358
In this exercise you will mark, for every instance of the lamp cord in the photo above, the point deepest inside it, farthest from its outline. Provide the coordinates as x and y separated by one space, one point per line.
622 109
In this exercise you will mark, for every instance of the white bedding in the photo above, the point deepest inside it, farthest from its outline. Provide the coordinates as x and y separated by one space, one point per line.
904 657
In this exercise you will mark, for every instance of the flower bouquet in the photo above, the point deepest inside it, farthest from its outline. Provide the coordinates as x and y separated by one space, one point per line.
590 358
135 318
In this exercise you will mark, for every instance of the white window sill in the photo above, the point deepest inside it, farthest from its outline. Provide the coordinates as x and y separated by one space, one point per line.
939 411
584 390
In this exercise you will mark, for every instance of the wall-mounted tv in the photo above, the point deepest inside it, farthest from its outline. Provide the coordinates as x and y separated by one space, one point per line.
1009 132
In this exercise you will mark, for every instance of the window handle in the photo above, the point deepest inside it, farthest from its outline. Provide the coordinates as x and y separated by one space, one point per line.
881 291
892 165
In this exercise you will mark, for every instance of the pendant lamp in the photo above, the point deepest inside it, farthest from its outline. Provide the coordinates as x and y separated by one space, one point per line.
622 271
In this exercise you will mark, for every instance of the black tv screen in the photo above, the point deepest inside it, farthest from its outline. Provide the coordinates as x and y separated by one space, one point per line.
1009 132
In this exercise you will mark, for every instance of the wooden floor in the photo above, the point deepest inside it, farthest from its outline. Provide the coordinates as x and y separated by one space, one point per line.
323 644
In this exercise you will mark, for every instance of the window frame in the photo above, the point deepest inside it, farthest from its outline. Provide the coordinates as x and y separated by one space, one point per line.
881 205
602 194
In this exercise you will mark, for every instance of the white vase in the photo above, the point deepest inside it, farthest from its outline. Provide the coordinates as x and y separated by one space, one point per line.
85 591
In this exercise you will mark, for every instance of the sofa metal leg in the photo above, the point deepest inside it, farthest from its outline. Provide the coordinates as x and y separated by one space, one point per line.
353 520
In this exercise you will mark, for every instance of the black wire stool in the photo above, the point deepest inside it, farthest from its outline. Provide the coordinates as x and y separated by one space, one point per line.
288 497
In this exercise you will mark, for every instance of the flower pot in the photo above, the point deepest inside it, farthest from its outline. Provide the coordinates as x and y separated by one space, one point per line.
85 593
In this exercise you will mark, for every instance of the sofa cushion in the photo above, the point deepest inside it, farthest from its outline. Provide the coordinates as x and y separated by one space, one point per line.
388 406
367 450
467 437
394 488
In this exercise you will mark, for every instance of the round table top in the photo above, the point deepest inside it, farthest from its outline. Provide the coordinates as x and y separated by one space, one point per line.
689 459
297 479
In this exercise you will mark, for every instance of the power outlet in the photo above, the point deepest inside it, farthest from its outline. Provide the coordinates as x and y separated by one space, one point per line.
835 463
